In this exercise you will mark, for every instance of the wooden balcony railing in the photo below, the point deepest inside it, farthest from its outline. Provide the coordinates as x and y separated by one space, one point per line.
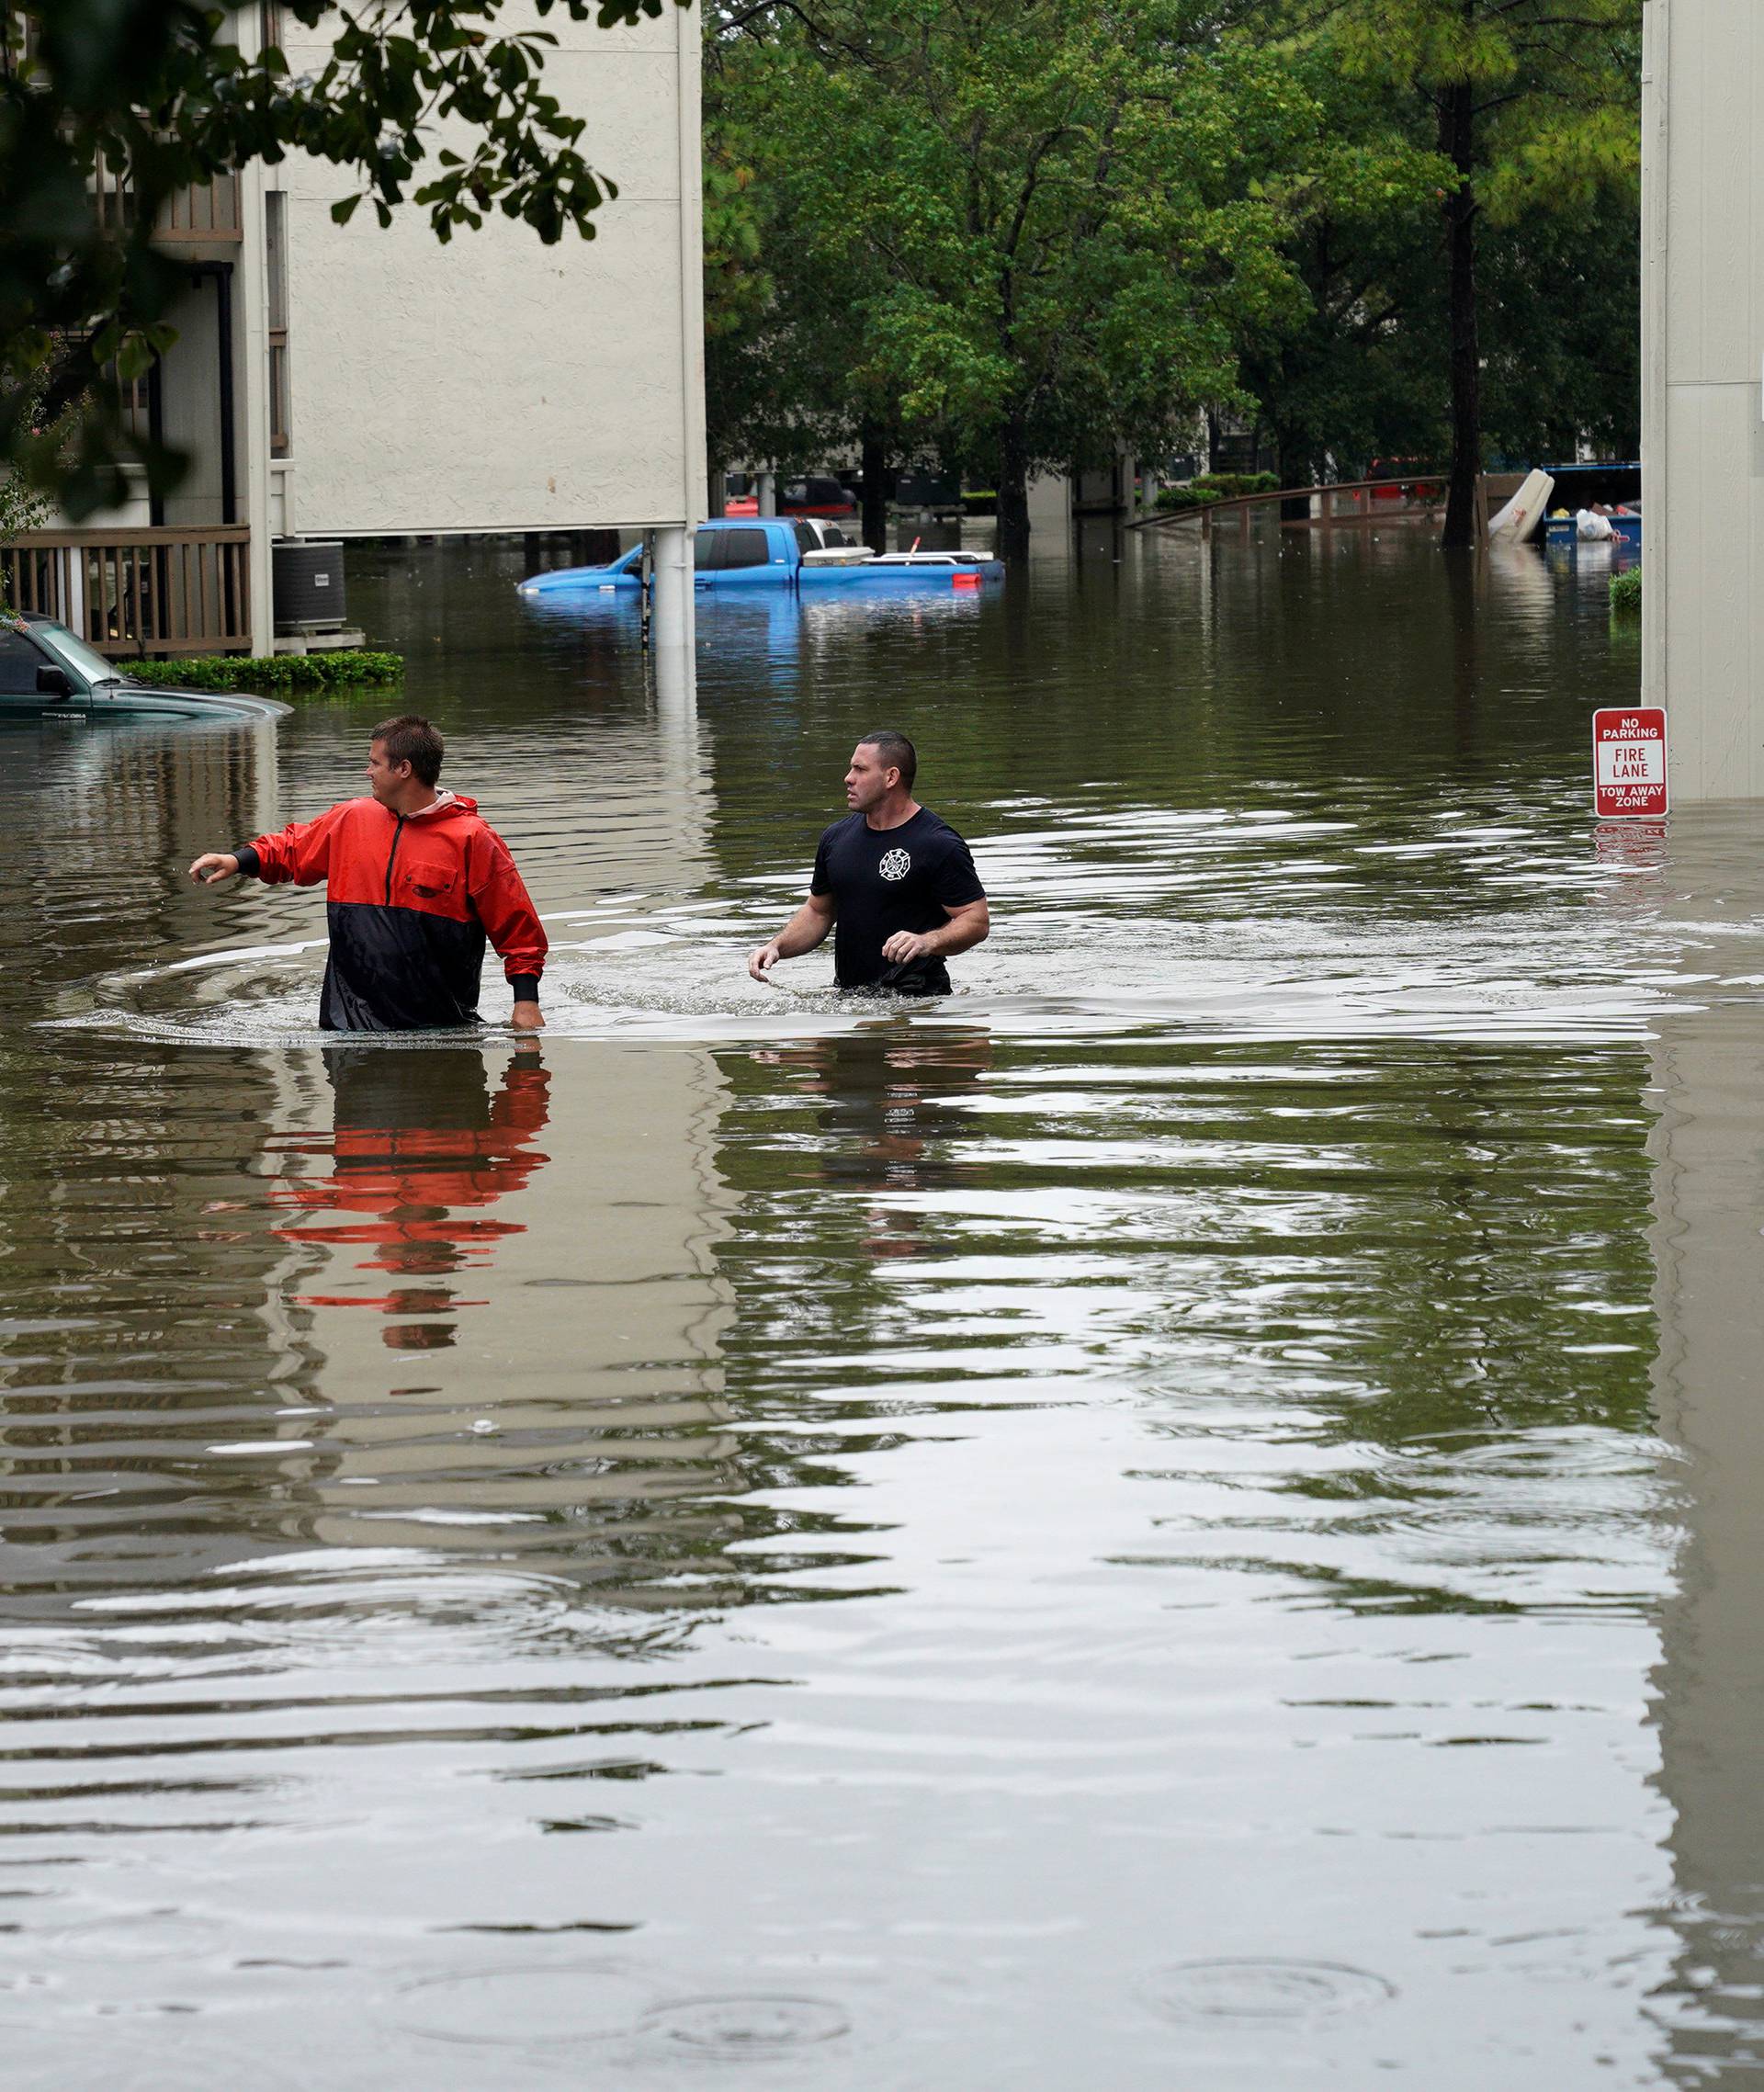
133 593
202 214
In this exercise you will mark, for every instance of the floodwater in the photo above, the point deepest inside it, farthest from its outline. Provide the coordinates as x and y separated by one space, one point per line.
1187 1516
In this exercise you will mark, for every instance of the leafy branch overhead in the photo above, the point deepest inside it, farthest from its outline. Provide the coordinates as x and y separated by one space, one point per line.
436 103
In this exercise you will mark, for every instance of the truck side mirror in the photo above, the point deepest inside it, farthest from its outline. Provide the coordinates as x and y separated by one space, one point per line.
53 683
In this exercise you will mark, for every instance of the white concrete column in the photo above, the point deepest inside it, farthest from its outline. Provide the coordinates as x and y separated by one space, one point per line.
767 483
677 711
1702 391
670 624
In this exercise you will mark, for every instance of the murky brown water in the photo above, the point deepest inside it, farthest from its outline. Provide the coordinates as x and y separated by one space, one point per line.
1183 1517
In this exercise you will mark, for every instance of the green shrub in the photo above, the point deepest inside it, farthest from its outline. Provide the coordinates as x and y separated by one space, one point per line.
1208 487
1626 593
342 668
1173 500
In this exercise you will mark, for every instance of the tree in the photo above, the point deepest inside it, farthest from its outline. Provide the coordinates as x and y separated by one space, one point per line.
1562 342
1038 212
154 93
1534 104
1350 373
777 342
787 373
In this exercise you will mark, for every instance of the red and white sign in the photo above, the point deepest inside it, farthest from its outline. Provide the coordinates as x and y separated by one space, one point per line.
1629 763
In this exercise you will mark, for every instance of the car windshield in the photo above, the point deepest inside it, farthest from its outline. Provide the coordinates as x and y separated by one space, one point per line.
73 652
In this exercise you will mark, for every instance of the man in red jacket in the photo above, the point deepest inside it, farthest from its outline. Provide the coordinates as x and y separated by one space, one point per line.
414 884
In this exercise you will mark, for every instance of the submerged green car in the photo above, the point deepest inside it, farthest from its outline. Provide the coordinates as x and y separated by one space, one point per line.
47 670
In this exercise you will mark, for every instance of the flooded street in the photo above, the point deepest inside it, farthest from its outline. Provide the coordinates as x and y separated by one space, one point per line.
1185 1516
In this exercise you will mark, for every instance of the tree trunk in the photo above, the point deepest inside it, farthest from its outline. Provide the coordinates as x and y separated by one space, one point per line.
716 480
1013 492
1457 140
1294 466
879 482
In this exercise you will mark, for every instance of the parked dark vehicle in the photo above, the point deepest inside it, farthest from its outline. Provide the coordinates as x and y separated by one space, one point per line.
46 670
819 494
927 490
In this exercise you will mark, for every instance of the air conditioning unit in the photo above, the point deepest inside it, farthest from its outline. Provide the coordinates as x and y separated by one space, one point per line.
307 578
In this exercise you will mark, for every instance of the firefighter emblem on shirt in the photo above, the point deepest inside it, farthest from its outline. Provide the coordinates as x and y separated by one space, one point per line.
896 865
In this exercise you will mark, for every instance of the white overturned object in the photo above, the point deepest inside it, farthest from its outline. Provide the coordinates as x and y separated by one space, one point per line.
1520 517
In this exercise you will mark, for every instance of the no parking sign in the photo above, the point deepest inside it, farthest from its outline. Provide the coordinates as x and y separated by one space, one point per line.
1629 763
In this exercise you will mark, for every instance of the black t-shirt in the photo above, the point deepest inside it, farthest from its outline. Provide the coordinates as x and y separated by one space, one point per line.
885 879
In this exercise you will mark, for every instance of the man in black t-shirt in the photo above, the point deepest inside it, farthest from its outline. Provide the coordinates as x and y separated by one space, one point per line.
896 884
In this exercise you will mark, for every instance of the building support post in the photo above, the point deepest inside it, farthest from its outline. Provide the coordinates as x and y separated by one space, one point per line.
670 627
1656 44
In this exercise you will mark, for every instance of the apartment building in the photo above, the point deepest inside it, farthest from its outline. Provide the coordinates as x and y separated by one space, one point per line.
338 381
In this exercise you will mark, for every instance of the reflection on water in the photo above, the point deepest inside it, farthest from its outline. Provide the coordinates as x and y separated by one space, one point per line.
1708 1202
1108 1530
418 1148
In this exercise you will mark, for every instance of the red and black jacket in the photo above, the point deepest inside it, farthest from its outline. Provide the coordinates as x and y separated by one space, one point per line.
411 900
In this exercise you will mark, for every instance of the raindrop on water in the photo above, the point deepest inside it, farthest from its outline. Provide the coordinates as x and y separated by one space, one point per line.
734 2026
1256 1993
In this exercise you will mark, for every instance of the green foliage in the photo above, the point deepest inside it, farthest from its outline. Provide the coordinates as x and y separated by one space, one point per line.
1532 111
1626 593
156 90
1354 370
1012 238
22 505
342 668
1036 228
1206 488
1561 298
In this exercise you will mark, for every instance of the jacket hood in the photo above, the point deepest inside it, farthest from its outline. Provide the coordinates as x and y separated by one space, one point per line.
445 803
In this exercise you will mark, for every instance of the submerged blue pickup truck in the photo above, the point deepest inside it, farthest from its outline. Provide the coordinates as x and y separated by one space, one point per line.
781 551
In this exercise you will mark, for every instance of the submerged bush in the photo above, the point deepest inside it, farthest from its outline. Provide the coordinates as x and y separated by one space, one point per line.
1626 593
342 668
1173 500
1206 488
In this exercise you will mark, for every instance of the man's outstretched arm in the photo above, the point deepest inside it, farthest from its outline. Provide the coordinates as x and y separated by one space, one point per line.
300 855
806 929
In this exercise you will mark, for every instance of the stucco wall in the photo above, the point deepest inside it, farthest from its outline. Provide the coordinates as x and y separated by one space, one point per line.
496 383
1702 405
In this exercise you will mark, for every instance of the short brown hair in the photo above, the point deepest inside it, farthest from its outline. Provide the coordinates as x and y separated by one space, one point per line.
897 753
408 739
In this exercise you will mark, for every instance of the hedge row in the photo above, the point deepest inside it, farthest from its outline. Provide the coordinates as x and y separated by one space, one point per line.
1206 488
341 669
1626 592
